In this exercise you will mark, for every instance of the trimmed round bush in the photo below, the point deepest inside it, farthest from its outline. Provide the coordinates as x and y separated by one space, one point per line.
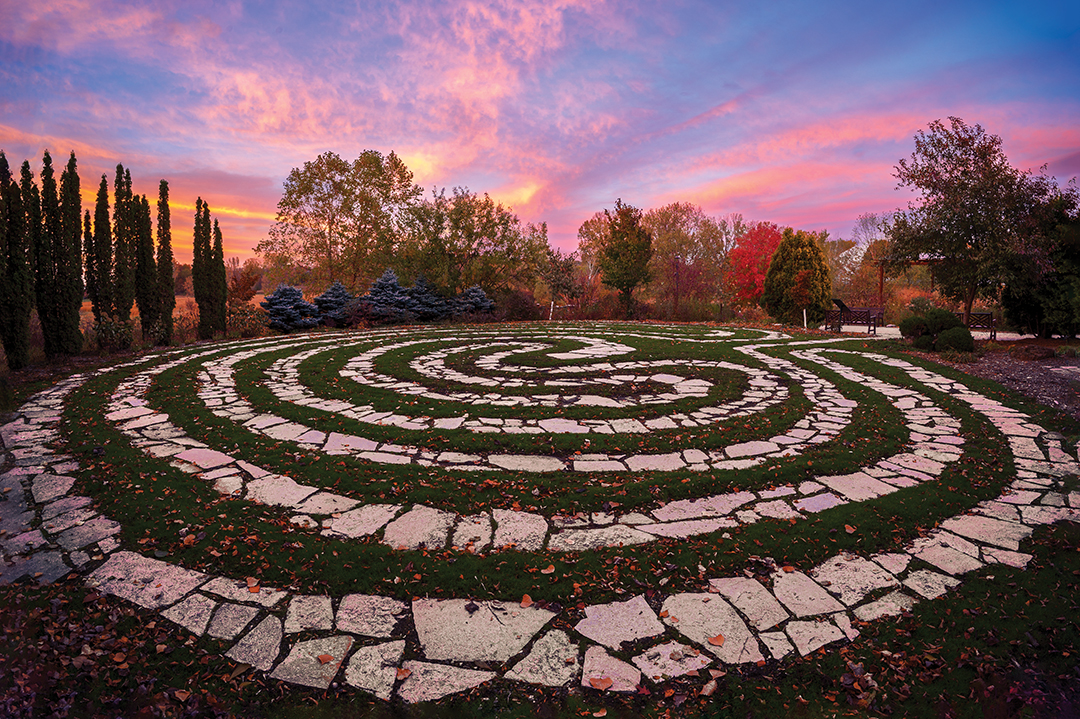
939 320
923 342
913 326
955 338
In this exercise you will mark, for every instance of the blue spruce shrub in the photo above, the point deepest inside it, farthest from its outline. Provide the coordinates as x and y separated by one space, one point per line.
288 310
333 305
429 305
473 301
387 302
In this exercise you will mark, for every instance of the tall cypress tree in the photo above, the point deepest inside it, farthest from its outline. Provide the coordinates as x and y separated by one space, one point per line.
166 289
146 279
45 280
220 288
16 291
99 259
200 270
124 253
68 261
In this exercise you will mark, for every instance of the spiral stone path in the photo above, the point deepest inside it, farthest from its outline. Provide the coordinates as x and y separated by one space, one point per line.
608 387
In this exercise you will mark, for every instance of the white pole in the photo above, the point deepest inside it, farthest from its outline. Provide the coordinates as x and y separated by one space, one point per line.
551 312
804 318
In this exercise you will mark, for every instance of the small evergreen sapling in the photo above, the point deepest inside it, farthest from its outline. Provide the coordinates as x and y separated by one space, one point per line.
473 301
430 305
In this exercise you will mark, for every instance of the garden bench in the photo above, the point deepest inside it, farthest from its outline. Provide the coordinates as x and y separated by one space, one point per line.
869 316
981 321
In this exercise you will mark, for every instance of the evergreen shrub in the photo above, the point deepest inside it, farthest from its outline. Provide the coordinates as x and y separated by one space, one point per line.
334 305
955 338
288 310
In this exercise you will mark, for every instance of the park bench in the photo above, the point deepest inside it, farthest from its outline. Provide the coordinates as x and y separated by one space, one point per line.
981 321
844 315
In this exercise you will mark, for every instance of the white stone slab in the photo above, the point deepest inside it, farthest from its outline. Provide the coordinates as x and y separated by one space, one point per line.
579 540
473 532
851 577
618 622
930 585
988 531
670 660
948 559
327 503
891 605
688 527
1019 560
277 490
810 636
192 614
309 612
752 599
522 530
701 617
526 463
777 643
362 521
150 583
239 591
369 616
493 631
599 667
48 487
819 502
802 595
374 669
552 661
420 527
314 663
857 487
715 506
205 458
259 647
428 682
230 619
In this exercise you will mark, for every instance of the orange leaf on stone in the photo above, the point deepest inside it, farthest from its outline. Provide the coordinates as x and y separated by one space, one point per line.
325 658
663 614
403 673
788 568
849 529
526 601
717 641
252 582
601 683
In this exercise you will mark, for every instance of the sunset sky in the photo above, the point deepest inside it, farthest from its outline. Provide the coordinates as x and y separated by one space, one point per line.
793 112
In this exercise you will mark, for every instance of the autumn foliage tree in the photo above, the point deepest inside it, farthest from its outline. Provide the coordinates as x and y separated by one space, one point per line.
797 280
748 261
624 257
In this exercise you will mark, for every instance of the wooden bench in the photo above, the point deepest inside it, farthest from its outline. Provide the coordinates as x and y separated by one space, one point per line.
844 315
981 321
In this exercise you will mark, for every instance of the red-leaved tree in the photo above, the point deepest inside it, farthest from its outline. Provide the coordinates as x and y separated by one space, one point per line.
749 261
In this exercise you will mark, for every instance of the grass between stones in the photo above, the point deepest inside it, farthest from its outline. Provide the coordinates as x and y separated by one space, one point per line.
1002 637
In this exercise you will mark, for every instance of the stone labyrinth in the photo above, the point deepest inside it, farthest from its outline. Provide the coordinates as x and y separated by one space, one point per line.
602 406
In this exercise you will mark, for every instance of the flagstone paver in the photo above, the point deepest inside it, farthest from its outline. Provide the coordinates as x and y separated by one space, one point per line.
552 661
618 622
314 662
752 599
605 672
465 631
670 660
713 624
802 595
374 668
427 681
309 612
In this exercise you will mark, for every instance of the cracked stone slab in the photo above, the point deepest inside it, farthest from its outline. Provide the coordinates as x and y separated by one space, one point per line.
688 527
327 503
374 669
949 560
818 502
314 663
90 532
309 612
701 617
552 661
600 666
851 577
752 599
618 622
1006 535
473 531
526 463
524 531
259 647
193 613
150 583
369 616
670 660
716 506
811 636
802 595
277 490
492 631
1019 560
205 458
857 487
362 521
230 619
43 567
428 681
777 643
420 527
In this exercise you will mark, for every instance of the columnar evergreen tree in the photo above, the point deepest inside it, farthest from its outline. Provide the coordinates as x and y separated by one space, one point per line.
16 289
798 279
124 236
67 253
166 290
146 276
45 280
201 274
219 280
99 257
